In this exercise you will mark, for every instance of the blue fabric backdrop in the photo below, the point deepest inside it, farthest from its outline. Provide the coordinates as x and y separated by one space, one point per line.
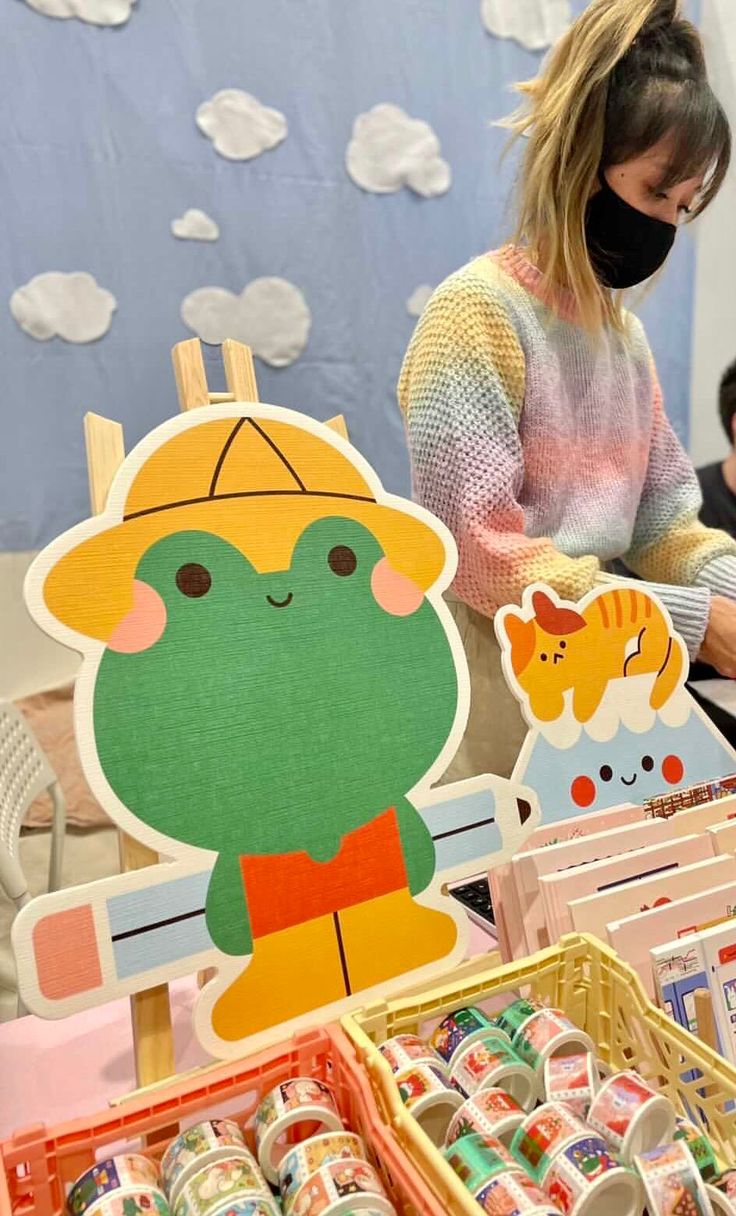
100 151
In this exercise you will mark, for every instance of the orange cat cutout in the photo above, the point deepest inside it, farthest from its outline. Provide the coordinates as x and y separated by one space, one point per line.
559 650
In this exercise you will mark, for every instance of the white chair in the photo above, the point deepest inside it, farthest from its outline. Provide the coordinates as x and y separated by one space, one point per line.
24 774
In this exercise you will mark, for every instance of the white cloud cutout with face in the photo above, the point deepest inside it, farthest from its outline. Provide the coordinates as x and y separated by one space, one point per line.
419 299
69 306
95 12
535 24
270 315
195 225
389 150
239 125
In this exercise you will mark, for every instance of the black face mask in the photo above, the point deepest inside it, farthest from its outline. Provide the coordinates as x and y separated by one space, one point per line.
625 245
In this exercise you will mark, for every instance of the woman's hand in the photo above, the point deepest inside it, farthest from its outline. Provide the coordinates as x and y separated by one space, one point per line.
719 643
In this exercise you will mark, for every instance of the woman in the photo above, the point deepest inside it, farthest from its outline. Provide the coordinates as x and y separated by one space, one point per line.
534 415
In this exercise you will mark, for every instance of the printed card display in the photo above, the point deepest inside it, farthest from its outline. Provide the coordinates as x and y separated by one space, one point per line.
271 685
504 895
724 837
635 936
719 951
567 857
593 913
559 889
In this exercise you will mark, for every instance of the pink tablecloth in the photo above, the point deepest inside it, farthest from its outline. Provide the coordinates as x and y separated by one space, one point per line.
54 1071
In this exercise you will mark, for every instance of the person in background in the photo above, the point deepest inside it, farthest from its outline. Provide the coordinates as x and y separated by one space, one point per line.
718 481
533 412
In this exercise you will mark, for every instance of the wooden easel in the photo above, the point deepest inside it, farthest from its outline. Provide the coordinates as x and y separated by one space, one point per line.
153 1042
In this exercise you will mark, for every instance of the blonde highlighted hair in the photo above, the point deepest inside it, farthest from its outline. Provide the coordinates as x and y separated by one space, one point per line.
625 75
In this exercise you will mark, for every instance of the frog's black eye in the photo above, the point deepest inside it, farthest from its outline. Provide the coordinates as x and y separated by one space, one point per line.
193 580
543 657
606 772
342 561
647 764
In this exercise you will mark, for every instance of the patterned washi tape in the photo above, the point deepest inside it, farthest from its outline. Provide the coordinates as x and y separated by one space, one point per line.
582 1171
199 1146
429 1095
459 1029
299 1101
491 1113
514 1194
341 1187
633 1117
544 1131
476 1160
404 1050
130 1171
547 1033
127 1202
573 1080
700 1147
515 1016
308 1157
672 1182
492 1062
219 1183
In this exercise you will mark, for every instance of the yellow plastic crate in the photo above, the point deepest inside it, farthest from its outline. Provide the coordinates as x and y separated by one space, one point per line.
602 995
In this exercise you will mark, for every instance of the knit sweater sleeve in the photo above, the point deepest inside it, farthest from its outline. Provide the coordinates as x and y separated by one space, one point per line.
461 392
669 544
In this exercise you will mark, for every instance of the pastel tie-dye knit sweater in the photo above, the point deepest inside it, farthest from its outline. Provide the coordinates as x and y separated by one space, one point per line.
547 451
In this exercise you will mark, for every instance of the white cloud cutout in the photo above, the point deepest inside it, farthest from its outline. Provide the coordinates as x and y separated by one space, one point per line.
95 12
419 299
389 149
69 306
270 315
239 125
195 225
535 24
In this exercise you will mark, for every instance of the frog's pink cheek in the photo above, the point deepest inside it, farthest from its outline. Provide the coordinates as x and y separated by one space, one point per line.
394 592
144 624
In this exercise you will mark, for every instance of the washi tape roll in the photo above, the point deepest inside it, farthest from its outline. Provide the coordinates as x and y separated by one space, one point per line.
405 1050
544 1131
460 1028
726 1184
572 1080
515 1016
514 1194
341 1187
673 1184
491 1113
549 1033
301 1103
700 1147
219 1183
306 1158
199 1146
126 1202
429 1095
584 1178
492 1062
130 1171
476 1160
249 1205
633 1117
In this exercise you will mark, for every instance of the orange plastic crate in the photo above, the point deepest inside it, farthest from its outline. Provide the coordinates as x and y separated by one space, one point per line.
39 1164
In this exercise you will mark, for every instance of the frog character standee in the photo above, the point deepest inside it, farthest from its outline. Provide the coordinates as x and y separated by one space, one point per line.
270 671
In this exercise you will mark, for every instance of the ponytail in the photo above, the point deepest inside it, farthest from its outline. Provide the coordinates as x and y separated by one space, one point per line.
626 74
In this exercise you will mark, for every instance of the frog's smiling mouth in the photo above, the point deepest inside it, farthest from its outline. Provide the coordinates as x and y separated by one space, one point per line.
280 603
631 782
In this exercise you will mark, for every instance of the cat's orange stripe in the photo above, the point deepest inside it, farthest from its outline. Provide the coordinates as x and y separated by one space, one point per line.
633 597
617 605
601 602
647 606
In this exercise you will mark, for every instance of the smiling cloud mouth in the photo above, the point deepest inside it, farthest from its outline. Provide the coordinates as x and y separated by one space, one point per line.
280 603
631 782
